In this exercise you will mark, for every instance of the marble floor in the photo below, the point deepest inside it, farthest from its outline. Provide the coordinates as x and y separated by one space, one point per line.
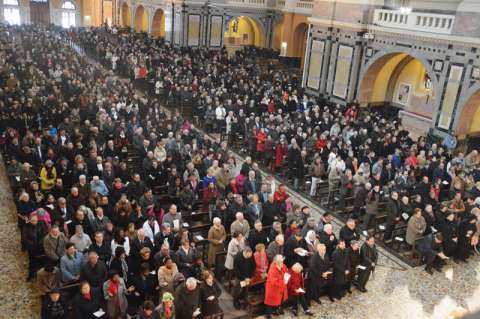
18 298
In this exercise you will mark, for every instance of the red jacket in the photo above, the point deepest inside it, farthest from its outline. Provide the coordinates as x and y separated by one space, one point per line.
280 152
275 289
261 138
295 282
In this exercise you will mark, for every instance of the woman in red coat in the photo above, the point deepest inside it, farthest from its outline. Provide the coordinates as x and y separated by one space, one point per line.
261 138
276 287
280 154
261 262
296 289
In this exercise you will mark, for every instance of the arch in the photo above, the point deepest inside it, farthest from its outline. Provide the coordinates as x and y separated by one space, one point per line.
158 24
141 19
401 78
11 12
244 30
68 14
469 120
300 41
126 15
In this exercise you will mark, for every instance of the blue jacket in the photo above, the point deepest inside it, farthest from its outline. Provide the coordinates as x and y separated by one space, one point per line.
70 266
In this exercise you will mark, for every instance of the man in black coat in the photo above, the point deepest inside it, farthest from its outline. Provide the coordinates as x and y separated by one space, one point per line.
349 232
244 269
393 216
368 260
257 235
318 273
328 238
103 249
137 244
354 260
295 250
187 299
271 212
93 271
341 269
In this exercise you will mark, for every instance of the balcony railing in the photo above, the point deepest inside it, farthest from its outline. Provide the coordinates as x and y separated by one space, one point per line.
248 3
416 21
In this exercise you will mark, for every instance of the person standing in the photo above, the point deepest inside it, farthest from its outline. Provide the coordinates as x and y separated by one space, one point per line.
368 260
187 299
244 269
216 240
318 273
209 294
276 291
296 289
33 234
341 269
354 260
114 291
393 216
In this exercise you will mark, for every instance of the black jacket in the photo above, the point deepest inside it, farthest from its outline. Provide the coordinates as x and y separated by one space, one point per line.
348 235
94 275
85 308
243 267
341 263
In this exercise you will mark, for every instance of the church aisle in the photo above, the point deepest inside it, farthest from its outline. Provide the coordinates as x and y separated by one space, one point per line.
18 298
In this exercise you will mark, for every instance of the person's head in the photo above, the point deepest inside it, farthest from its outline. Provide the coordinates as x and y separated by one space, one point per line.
84 288
148 308
239 216
145 253
217 222
173 209
298 235
167 298
341 244
207 276
70 249
185 243
92 258
322 249
355 245
54 294
418 212
429 208
450 216
394 195
247 252
279 239
191 283
370 240
119 252
168 262
79 230
328 229
113 275
297 268
278 261
99 237
327 217
258 225
351 223
33 218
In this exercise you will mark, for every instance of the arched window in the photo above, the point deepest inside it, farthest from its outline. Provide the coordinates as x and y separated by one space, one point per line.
11 12
68 14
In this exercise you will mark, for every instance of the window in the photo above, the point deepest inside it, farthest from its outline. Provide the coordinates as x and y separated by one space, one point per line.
11 12
68 14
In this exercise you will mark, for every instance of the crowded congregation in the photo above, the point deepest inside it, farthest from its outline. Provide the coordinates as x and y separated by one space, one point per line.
157 181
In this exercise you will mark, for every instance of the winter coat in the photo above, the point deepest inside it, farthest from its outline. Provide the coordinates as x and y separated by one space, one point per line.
276 291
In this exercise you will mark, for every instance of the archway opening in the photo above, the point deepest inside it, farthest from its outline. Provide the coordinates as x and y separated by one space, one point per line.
400 80
300 41
469 122
126 17
243 31
158 24
141 19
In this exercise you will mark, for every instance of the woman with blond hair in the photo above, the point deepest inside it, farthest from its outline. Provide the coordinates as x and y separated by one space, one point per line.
296 289
261 262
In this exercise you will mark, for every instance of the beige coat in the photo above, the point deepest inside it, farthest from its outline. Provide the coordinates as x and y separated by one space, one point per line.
415 228
216 242
166 278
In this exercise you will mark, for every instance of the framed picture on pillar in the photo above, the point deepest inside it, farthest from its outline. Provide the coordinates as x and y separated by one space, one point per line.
403 93
476 73
438 66
369 52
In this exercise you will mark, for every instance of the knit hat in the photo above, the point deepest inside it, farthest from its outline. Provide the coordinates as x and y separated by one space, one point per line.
167 297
